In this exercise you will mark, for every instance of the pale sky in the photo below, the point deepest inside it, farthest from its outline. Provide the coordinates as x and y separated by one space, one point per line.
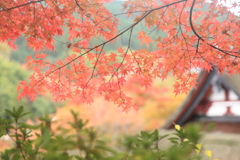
228 4
225 2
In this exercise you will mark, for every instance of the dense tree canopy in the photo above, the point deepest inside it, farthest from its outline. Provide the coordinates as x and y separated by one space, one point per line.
188 34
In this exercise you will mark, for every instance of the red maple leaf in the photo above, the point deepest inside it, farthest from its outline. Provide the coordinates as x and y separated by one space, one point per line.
187 39
144 39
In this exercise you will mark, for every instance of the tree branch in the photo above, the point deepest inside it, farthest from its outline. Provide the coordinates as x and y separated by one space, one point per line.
121 33
8 9
194 31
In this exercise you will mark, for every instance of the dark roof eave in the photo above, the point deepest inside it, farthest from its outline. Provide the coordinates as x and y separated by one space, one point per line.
193 98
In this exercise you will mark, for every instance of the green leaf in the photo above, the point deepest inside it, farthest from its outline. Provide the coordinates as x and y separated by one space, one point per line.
145 135
24 114
10 113
19 111
155 134
28 126
163 136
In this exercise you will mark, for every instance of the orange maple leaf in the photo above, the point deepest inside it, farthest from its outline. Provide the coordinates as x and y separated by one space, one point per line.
144 39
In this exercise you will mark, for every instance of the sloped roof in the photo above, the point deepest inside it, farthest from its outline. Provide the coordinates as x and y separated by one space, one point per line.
205 80
233 81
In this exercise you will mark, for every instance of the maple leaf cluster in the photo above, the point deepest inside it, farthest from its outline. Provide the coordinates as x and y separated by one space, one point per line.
200 35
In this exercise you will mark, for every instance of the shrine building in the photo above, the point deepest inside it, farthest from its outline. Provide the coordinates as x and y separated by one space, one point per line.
215 99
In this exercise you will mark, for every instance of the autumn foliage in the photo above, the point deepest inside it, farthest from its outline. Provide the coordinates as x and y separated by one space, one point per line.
157 104
200 35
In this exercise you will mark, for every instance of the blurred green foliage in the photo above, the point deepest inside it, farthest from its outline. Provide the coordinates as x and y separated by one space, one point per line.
11 73
85 143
